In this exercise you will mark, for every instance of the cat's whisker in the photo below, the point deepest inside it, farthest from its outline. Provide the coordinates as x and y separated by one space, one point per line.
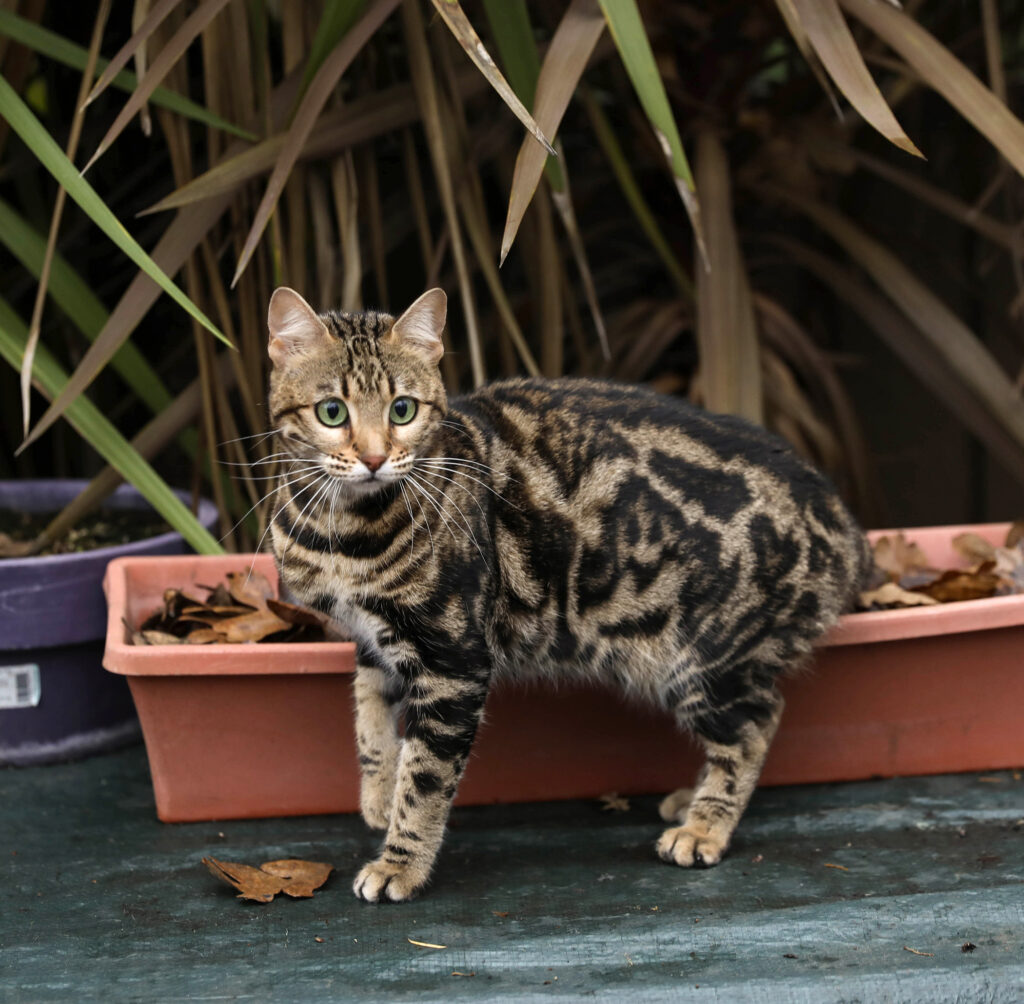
324 487
257 504
426 522
469 529
412 521
291 497
436 472
259 436
465 474
440 512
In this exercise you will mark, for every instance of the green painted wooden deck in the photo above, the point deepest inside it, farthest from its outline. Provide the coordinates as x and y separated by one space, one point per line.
101 902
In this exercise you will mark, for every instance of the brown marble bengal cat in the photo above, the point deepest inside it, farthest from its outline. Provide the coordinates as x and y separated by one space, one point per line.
539 528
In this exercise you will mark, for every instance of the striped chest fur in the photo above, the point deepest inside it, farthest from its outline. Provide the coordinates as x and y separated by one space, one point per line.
566 528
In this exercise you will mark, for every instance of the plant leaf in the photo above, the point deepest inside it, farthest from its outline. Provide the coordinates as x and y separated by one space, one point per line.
47 43
828 32
97 430
730 368
455 17
563 65
910 345
627 29
149 24
166 58
306 115
940 69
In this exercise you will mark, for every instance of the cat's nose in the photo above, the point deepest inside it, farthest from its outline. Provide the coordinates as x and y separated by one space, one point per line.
374 461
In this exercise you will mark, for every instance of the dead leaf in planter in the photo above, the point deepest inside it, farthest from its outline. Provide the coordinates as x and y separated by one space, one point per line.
293 877
953 586
1015 534
250 627
219 595
161 638
204 636
892 596
292 614
898 556
250 588
974 548
218 609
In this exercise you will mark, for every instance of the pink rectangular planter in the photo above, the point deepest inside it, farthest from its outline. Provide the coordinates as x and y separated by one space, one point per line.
238 731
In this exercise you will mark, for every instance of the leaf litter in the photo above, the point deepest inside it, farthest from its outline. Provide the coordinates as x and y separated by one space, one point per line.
239 611
903 577
292 876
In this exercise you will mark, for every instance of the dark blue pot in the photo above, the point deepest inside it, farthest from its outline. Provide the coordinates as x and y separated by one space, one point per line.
53 620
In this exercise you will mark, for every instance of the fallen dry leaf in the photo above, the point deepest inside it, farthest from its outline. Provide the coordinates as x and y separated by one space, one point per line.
841 868
293 877
292 614
897 556
614 802
891 595
953 586
906 948
250 588
500 913
424 944
973 547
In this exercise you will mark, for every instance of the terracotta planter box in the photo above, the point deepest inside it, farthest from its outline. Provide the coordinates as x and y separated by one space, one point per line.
242 731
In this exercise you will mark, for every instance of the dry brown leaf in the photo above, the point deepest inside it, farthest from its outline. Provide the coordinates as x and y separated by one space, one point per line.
250 588
1015 534
953 586
891 595
293 877
614 802
250 627
898 556
291 613
204 636
153 637
302 877
973 547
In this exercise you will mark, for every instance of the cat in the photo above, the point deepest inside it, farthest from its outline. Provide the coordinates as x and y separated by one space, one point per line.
569 528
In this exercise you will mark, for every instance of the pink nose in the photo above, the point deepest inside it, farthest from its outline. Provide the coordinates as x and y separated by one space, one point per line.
374 461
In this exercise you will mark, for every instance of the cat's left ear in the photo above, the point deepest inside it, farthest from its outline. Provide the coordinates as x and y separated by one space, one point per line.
420 327
295 329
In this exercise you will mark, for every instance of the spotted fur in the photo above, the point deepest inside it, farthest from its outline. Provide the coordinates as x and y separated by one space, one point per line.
562 529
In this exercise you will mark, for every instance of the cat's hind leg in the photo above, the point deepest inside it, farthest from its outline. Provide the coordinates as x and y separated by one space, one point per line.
736 738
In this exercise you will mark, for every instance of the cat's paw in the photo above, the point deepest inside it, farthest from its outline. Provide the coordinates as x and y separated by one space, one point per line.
673 807
376 812
690 848
381 880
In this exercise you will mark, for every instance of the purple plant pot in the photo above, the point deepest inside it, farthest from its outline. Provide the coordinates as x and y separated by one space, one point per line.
56 700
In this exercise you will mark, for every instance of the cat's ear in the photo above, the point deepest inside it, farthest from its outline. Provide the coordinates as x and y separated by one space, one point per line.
420 327
295 329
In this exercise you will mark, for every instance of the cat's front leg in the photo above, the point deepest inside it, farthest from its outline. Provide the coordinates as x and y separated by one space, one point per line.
377 742
441 721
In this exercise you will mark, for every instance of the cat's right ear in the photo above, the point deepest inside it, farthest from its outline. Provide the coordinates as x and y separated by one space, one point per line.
295 329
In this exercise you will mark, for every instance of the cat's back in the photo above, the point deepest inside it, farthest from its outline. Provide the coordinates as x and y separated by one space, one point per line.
584 433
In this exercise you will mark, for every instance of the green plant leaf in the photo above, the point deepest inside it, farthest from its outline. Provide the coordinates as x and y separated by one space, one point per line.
41 143
627 29
99 432
47 43
337 18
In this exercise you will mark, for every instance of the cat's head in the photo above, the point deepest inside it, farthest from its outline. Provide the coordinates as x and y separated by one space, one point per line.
359 395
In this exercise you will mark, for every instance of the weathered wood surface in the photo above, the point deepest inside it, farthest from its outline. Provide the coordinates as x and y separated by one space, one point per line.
99 901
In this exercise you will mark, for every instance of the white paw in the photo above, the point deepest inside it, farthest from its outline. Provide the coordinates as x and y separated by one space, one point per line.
673 806
690 848
380 880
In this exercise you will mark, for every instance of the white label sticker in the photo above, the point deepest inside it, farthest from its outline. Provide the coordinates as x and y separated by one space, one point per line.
20 686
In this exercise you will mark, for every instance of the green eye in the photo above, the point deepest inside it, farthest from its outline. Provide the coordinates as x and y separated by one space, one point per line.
331 411
403 410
